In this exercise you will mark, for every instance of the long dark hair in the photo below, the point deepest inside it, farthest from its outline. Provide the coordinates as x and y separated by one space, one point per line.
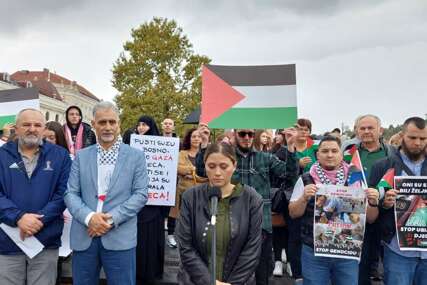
186 142
59 133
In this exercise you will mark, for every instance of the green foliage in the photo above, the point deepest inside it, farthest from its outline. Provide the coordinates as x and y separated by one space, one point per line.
157 74
391 130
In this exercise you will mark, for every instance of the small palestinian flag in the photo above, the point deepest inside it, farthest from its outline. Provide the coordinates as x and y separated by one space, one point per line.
349 152
255 97
387 182
313 144
14 100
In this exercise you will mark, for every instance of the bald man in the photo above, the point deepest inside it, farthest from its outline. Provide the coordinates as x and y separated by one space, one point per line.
33 179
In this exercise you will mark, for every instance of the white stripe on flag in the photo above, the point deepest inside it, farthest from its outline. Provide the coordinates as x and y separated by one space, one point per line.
267 96
12 108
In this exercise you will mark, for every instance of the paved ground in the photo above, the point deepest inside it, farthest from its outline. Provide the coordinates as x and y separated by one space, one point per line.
170 271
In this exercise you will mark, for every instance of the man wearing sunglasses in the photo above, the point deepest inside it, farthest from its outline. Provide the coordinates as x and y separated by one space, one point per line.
255 169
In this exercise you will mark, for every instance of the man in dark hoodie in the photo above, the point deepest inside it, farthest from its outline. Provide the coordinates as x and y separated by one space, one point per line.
33 178
77 133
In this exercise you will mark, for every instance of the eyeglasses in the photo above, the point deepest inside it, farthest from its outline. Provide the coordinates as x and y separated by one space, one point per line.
243 134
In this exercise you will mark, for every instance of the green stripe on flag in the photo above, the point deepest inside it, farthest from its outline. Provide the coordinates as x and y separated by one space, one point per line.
6 119
256 118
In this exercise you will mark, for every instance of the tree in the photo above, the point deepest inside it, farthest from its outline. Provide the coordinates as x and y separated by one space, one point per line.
157 74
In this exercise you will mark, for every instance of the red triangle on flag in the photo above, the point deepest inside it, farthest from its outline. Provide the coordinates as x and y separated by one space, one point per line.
389 177
217 96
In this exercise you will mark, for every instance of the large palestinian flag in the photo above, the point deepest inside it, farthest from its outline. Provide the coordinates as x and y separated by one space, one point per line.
14 100
249 96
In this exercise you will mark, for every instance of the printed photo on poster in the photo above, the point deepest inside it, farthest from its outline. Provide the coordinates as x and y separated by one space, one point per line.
411 212
339 221
161 154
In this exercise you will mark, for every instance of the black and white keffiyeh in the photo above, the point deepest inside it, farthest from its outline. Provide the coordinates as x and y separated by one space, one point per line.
108 157
324 178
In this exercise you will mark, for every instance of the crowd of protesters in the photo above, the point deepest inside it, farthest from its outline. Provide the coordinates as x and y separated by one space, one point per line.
267 183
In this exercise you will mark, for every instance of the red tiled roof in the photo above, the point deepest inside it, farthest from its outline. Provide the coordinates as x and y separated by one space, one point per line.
45 75
45 87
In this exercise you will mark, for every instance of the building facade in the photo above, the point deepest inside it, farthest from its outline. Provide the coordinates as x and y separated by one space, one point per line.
56 93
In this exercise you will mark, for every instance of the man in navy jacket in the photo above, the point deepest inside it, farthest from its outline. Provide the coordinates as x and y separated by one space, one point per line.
33 179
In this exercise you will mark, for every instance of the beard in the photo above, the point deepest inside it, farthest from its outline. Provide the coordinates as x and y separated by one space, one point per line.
413 156
30 141
243 149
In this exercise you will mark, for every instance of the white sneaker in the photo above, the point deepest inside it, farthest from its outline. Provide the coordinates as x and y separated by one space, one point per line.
284 257
171 242
278 268
288 269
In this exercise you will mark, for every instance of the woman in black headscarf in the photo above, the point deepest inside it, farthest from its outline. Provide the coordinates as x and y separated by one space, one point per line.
150 249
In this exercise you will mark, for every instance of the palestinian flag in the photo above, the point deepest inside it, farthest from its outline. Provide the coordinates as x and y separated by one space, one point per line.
14 100
313 144
387 182
260 97
349 152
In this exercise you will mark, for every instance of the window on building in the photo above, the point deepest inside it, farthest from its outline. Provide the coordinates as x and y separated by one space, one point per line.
56 118
47 116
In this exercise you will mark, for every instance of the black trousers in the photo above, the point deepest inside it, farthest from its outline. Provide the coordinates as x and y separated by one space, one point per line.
280 241
371 252
265 266
295 246
171 225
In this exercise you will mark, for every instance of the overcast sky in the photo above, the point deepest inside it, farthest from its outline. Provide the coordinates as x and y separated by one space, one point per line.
367 56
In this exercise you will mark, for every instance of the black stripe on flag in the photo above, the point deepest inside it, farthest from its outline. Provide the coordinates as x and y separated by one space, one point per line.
258 75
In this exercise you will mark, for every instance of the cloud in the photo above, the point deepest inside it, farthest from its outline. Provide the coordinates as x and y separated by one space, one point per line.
21 15
335 43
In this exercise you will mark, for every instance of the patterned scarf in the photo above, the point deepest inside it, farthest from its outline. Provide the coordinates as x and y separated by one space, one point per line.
324 179
73 147
109 156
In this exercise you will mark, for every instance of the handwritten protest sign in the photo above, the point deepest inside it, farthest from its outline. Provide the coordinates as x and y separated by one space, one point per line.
161 154
411 212
339 221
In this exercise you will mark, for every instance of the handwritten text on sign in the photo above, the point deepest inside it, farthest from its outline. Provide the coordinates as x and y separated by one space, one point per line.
161 154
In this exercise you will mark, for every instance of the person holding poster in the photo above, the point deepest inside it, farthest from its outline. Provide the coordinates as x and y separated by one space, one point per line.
330 169
108 186
402 266
150 251
238 226
33 178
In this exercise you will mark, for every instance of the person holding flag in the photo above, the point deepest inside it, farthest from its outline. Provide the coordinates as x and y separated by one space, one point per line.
401 267
329 169
371 149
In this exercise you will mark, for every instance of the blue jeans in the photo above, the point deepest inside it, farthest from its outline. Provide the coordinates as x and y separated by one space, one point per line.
402 270
323 270
119 265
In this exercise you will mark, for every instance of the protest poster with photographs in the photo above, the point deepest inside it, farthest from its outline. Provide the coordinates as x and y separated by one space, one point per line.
161 155
411 212
339 221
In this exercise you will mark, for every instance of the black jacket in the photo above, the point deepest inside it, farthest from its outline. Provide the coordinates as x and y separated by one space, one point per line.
244 248
386 217
89 137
